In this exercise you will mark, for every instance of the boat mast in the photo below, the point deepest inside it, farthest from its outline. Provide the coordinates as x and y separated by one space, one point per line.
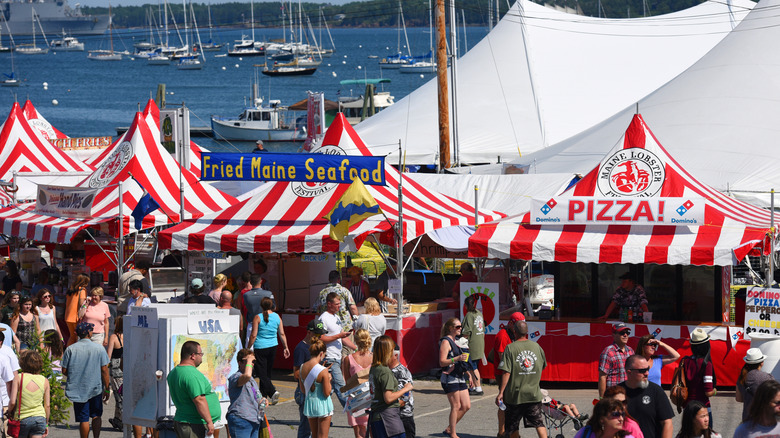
252 15
186 33
197 33
441 74
110 35
32 11
403 23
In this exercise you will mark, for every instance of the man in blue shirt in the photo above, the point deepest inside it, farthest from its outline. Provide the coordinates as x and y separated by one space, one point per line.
253 297
137 297
85 364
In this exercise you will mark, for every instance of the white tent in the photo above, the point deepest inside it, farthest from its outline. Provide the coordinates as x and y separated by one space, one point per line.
718 118
542 76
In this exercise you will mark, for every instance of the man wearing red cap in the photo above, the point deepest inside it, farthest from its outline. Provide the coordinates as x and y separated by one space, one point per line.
504 337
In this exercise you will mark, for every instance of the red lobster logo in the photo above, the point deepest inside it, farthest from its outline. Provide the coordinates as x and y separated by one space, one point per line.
632 179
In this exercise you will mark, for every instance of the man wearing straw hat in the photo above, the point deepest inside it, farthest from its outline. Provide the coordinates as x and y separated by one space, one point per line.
750 377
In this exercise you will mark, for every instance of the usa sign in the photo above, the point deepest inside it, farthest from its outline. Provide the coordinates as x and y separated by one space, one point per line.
562 210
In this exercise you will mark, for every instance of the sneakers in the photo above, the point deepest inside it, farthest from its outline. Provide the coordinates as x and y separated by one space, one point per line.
583 418
116 423
476 391
274 398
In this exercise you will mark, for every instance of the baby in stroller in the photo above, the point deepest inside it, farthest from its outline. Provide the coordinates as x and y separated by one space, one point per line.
557 414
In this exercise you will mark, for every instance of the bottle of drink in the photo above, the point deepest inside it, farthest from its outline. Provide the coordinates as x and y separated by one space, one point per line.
501 405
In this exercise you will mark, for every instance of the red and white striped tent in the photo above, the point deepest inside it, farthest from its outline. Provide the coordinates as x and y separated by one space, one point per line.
37 120
732 228
24 148
137 156
151 114
288 216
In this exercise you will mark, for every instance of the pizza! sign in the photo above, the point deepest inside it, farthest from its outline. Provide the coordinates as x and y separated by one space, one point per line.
617 211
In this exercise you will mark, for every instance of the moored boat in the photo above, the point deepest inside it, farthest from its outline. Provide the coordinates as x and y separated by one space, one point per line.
67 44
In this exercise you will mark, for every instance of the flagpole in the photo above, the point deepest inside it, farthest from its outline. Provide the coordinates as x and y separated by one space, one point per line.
120 250
400 253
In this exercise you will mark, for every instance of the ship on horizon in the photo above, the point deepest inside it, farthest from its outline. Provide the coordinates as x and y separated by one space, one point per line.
55 17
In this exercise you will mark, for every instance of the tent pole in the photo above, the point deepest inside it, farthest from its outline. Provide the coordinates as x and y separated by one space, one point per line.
771 272
120 257
476 205
400 253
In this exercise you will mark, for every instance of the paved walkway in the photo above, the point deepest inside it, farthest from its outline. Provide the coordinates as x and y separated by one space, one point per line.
431 411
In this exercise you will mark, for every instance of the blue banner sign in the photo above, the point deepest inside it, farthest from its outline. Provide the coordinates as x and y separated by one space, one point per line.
322 168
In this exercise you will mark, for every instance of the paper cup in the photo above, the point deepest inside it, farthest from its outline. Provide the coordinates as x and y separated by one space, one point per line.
158 374
467 356
648 316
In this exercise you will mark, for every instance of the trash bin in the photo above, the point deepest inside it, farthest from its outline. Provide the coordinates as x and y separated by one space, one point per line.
165 427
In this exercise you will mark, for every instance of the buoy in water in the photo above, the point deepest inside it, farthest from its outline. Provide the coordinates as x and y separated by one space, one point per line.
224 68
55 102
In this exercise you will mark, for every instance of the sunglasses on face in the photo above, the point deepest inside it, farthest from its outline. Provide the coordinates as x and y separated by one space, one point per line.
625 333
617 414
458 326
641 370
653 346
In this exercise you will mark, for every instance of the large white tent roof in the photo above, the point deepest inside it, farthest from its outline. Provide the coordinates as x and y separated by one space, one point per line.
718 118
542 76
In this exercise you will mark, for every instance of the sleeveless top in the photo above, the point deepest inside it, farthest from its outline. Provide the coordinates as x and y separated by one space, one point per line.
316 404
117 353
47 321
32 401
25 331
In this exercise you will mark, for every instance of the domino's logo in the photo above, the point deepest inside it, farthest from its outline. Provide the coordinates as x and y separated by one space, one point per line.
681 210
546 208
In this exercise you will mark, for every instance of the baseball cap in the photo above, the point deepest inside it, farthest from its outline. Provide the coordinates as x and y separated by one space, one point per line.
317 327
197 282
620 327
84 327
517 316
626 276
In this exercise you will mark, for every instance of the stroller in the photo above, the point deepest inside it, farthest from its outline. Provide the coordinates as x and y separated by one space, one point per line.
558 416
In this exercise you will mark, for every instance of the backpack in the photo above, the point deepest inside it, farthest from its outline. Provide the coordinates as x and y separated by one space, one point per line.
679 392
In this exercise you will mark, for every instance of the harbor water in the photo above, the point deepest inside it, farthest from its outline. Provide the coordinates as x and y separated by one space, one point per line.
94 98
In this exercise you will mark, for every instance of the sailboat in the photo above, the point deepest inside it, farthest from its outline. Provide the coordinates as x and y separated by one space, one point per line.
11 80
397 60
418 63
210 45
2 47
244 46
33 49
190 60
106 55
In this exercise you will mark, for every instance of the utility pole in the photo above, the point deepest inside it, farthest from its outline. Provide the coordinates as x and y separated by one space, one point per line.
441 73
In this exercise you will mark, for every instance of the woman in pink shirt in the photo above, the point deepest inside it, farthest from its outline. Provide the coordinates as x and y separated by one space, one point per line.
629 424
97 314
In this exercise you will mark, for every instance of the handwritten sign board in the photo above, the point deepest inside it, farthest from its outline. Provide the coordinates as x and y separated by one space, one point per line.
145 317
762 311
206 321
487 303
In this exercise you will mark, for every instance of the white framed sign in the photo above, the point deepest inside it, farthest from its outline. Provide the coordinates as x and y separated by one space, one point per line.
762 311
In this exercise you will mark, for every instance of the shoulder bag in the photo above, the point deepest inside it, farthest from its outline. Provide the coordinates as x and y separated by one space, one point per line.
679 392
83 307
14 425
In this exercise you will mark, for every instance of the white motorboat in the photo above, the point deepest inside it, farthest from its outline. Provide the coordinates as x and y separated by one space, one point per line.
357 109
419 67
260 122
67 44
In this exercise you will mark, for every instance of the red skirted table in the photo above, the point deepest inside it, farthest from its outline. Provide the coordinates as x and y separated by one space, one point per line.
573 348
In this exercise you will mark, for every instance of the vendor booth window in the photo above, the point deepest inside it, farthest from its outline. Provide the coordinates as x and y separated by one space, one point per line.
700 293
575 292
660 283
608 282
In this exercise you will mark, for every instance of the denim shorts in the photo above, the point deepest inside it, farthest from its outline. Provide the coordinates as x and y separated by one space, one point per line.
84 412
32 426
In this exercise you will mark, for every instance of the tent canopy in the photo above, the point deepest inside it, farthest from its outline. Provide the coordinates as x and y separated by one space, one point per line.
516 98
718 118
731 228
288 216
141 164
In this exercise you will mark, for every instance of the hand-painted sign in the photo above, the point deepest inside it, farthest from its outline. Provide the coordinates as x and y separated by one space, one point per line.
314 168
211 321
74 202
562 210
487 303
74 144
762 311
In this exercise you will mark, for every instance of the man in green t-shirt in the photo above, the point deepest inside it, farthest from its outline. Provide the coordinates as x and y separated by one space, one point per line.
522 362
474 331
197 406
